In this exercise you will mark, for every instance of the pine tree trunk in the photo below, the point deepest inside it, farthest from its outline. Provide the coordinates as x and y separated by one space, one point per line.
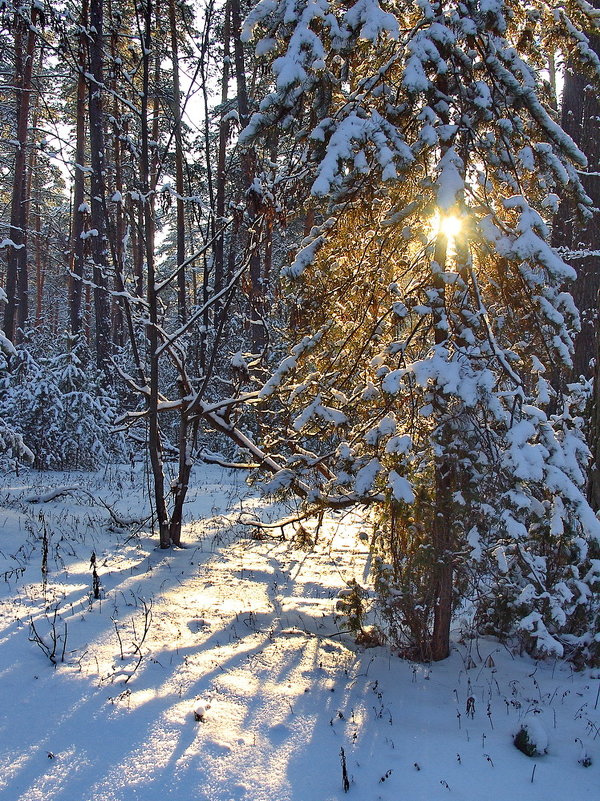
219 248
581 243
443 571
77 212
98 186
39 266
33 203
17 307
179 182
183 478
594 439
442 545
253 201
270 219
117 230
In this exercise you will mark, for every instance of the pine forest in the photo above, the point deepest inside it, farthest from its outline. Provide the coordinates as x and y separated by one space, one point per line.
299 350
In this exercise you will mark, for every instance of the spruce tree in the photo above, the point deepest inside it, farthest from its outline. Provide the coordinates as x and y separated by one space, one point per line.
13 449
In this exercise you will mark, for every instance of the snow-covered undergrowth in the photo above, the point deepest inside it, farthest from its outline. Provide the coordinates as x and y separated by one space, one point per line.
220 672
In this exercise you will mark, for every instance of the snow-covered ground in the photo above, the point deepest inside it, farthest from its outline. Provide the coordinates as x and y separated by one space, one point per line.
220 672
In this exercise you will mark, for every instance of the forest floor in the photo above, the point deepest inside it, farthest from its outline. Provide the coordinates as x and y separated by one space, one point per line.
100 697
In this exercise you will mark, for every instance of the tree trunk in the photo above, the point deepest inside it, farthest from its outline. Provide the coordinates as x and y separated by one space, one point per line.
179 183
17 307
253 199
581 243
147 216
442 522
219 218
78 215
98 186
594 439
117 230
443 569
581 246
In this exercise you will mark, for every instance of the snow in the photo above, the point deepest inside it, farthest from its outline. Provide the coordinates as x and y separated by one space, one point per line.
8 243
401 487
366 476
385 429
400 444
474 542
450 180
534 624
373 21
359 128
536 733
51 495
248 685
317 409
238 362
288 364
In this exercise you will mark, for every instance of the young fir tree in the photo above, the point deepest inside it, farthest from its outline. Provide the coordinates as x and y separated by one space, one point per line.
13 449
433 306
87 410
56 403
31 403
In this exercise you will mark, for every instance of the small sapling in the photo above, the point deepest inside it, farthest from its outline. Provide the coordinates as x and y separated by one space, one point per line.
531 738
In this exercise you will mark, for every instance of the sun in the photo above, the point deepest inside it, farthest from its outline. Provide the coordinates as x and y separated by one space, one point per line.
450 226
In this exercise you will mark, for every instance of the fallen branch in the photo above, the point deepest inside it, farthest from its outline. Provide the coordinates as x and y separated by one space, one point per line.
283 522
214 458
51 495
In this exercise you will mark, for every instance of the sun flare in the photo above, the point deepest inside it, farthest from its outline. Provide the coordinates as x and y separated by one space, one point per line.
449 225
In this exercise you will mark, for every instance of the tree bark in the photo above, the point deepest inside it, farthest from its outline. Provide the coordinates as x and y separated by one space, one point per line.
581 242
147 216
78 215
442 521
98 185
17 307
581 247
219 218
253 200
179 182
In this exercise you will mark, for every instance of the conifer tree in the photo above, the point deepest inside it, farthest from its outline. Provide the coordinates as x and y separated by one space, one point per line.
12 447
56 402
433 306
